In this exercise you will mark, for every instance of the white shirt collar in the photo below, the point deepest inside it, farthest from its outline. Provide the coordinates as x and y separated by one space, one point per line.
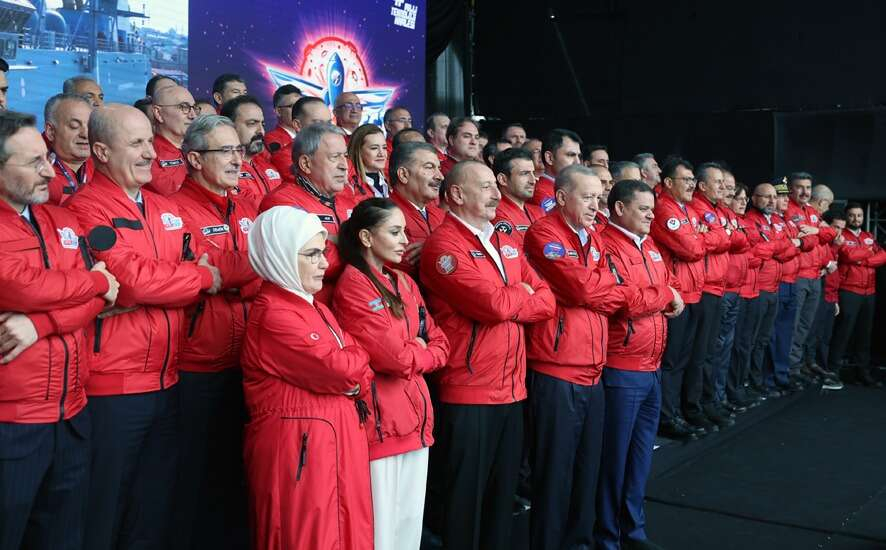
26 213
288 131
485 233
637 240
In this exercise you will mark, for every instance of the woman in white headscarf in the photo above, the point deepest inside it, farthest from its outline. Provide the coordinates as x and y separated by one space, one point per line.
306 453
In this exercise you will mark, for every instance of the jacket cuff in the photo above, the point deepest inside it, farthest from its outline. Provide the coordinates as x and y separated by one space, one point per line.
99 282
205 277
42 324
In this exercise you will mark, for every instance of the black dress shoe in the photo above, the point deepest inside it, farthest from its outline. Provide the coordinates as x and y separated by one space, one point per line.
702 421
697 430
773 393
865 378
718 418
734 407
634 544
675 430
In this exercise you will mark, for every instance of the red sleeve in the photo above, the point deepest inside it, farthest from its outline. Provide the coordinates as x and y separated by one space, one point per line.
854 254
541 305
639 301
761 247
683 243
29 289
388 352
166 181
317 366
826 235
715 240
808 242
67 320
739 242
878 259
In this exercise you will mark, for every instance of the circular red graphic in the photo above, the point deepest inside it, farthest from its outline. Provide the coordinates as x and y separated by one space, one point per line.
446 264
317 54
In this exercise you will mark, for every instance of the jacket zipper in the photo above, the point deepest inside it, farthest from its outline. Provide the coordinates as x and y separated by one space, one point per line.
302 456
61 407
629 332
377 411
560 322
165 366
424 420
652 280
198 310
471 346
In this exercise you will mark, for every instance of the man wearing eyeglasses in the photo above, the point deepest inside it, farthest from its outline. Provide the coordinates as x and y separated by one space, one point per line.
258 176
174 110
49 298
210 468
348 112
66 118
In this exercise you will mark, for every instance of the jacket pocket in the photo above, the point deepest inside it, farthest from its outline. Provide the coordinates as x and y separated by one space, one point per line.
561 322
474 330
195 316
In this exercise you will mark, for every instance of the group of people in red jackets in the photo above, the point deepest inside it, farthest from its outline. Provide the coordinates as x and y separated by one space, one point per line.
213 337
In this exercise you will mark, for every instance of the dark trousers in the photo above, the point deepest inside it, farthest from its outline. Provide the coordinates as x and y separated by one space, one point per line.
782 335
633 402
808 296
44 476
855 322
698 385
482 447
567 433
721 360
746 331
675 362
768 309
211 487
134 462
820 338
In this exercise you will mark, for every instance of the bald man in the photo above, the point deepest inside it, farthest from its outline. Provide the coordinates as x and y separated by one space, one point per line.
173 110
348 112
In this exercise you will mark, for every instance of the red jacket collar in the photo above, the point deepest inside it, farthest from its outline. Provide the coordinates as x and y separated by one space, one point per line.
199 193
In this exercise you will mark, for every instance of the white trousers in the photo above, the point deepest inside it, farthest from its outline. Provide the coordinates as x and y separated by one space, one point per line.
398 499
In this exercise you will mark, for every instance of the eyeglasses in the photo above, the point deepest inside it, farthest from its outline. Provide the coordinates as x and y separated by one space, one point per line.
227 150
351 106
38 163
315 255
184 107
741 199
402 120
687 179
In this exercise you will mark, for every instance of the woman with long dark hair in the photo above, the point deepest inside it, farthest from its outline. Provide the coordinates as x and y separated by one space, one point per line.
383 309
304 380
368 153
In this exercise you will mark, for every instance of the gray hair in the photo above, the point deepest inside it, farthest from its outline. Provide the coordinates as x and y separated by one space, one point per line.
70 85
52 104
195 137
566 178
404 154
822 192
308 140
10 123
640 159
618 168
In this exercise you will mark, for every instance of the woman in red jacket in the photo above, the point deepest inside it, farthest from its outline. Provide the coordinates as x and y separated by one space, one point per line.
306 455
368 154
383 309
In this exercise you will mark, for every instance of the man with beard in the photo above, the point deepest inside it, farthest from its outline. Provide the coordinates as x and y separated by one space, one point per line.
463 143
650 172
859 257
514 134
173 111
348 112
561 148
66 117
258 176
49 298
515 176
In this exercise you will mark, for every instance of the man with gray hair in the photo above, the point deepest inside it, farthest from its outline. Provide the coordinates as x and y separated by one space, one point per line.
650 173
210 468
320 163
66 119
86 87
173 110
133 381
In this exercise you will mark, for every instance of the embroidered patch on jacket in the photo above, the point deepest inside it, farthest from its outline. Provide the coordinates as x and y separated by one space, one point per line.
656 257
504 227
548 204
709 217
171 163
595 254
210 230
477 254
68 238
554 251
376 305
171 222
446 264
272 174
509 252
673 224
246 175
245 225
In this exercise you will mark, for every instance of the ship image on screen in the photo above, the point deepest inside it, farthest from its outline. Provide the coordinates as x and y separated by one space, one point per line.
329 67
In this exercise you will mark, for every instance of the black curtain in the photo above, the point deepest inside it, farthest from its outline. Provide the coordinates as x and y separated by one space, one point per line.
443 18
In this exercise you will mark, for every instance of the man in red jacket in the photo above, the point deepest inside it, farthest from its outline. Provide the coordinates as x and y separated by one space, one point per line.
829 307
560 149
66 119
482 292
45 308
281 137
566 355
258 177
306 111
416 177
631 377
174 110
463 143
436 126
132 387
319 156
859 257
211 386
515 176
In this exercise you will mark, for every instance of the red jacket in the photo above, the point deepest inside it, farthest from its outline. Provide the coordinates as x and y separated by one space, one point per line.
513 220
718 241
771 246
832 280
859 257
401 405
737 270
67 181
637 339
305 451
278 138
791 256
446 164
51 285
675 231
572 345
279 149
332 212
813 259
544 193
258 177
216 324
169 169
482 313
138 350
418 227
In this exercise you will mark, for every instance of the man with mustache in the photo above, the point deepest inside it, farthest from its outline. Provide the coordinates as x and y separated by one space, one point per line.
515 176
133 381
173 111
49 298
65 129
258 176
482 291
463 143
